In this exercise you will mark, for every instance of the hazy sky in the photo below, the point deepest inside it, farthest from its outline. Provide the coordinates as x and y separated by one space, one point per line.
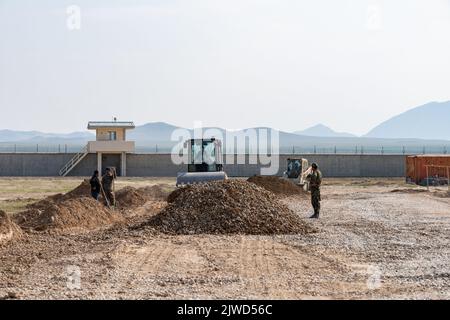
288 64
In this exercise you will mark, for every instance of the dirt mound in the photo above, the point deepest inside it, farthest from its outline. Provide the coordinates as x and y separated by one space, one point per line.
443 194
129 197
157 192
77 214
44 203
226 207
277 185
83 190
436 193
8 229
76 210
409 190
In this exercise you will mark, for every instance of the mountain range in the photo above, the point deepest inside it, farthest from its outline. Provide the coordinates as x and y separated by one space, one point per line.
40 137
320 130
430 122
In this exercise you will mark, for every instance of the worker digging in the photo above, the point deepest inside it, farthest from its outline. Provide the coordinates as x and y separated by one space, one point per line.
95 185
108 187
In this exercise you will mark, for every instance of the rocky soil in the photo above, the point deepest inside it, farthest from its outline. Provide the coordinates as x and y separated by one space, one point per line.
8 229
370 243
279 186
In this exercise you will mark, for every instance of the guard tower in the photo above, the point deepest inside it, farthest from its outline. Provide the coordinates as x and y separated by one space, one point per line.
110 146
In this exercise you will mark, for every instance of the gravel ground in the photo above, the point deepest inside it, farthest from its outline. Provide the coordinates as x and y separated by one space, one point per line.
371 243
401 238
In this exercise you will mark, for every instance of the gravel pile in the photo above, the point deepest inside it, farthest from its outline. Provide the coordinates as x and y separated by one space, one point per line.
8 229
226 207
277 185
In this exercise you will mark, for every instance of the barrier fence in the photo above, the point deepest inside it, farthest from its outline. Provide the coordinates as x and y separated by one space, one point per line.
155 149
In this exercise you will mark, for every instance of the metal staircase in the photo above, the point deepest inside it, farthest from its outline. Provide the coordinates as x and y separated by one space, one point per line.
73 162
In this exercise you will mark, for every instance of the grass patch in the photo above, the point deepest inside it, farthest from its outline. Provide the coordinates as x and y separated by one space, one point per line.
14 206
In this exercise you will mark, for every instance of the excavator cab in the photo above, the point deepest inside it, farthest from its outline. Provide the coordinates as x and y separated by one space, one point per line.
204 162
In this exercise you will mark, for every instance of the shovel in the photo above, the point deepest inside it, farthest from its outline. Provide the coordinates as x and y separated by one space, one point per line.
104 196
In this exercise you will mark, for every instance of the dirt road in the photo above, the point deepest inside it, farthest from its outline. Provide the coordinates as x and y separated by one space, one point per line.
371 243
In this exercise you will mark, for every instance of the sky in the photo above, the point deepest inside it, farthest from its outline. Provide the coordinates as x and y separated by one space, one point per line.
287 64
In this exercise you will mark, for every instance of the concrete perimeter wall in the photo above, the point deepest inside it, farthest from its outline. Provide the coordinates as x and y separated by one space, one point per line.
160 165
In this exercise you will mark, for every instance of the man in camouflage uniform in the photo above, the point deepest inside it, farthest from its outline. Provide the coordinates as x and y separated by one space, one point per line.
108 186
315 179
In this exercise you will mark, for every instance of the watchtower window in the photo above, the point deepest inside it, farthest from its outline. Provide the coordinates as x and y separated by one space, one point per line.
112 135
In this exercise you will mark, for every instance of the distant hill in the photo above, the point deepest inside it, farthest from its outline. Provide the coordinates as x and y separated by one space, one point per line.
11 135
430 121
320 130
41 137
152 131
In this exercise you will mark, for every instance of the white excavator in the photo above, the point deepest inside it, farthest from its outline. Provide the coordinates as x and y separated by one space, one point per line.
297 171
204 162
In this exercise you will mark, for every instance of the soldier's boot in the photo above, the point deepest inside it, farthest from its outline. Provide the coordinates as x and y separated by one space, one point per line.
315 215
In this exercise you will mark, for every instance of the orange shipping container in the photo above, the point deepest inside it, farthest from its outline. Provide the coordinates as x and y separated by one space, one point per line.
416 167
